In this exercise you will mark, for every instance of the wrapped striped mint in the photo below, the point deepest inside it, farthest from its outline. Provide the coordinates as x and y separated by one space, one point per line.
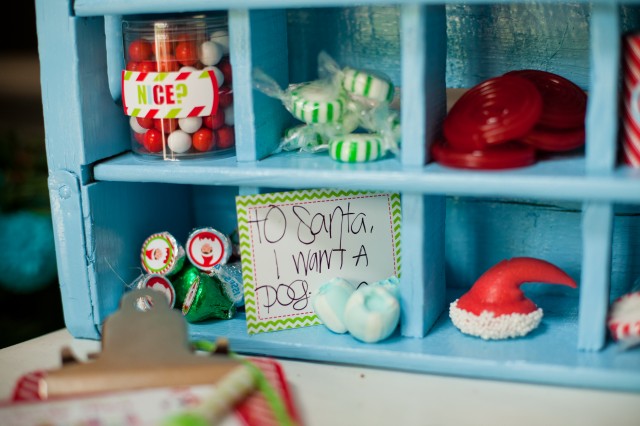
312 102
368 87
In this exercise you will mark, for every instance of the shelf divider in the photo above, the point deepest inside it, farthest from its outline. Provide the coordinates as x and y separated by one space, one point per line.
597 228
258 39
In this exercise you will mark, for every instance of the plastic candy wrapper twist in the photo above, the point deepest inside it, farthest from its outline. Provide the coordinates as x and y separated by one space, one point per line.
343 112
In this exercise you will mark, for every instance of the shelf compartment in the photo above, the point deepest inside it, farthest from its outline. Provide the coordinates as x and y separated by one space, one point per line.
547 355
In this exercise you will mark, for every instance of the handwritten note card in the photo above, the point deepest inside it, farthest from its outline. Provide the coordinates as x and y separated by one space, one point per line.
293 242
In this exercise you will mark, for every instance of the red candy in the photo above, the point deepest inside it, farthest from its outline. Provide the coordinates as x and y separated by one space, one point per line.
187 53
503 156
225 96
168 64
139 137
147 66
225 66
153 140
214 121
145 122
555 140
226 137
495 111
140 50
564 104
166 125
498 289
203 139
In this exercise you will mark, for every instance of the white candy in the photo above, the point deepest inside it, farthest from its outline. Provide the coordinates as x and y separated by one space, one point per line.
490 327
368 85
190 124
187 68
218 74
133 122
210 53
329 303
228 116
356 147
179 141
372 313
221 37
314 102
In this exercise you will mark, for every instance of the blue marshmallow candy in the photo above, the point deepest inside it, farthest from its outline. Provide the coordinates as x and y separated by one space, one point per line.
329 303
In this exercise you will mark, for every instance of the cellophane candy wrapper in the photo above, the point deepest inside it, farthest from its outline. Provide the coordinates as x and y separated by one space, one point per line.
329 109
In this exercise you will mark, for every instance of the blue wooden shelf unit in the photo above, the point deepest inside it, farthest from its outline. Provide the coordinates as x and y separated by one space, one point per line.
578 210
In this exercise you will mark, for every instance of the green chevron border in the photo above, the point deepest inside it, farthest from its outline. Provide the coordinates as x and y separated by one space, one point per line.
244 202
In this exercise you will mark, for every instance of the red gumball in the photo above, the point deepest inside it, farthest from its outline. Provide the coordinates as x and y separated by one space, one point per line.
225 66
140 50
187 53
166 125
139 137
153 140
214 121
162 48
225 95
133 66
226 137
168 64
145 122
147 66
203 140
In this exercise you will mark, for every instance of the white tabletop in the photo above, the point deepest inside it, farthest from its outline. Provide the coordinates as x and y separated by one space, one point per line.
345 395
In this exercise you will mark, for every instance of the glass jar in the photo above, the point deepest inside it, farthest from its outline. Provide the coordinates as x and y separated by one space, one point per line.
176 87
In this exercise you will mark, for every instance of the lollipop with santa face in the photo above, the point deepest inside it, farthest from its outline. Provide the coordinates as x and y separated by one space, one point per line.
207 247
162 254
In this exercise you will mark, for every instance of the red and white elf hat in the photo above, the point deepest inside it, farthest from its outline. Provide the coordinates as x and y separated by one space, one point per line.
624 319
496 308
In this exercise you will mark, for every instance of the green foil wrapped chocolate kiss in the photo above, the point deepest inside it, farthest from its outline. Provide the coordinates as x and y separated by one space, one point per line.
206 299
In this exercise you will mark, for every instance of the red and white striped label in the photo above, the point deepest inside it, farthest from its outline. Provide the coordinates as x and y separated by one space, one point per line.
177 94
631 98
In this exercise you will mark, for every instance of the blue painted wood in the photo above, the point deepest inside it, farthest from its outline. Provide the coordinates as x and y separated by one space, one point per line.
547 355
561 209
597 224
561 178
115 55
111 7
423 278
602 110
267 51
423 60
118 218
69 237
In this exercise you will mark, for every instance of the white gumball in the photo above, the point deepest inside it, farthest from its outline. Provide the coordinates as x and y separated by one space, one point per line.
372 313
179 141
221 37
135 126
217 73
229 119
187 68
190 124
210 53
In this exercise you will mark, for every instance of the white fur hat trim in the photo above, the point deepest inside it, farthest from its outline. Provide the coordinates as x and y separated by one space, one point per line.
488 326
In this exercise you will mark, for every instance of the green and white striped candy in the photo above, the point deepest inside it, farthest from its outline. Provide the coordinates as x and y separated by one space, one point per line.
367 85
356 147
314 103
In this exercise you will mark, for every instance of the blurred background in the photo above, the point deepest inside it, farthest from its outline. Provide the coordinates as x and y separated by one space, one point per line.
30 302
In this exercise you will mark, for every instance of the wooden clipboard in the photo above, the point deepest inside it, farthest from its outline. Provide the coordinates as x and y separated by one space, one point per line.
140 349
